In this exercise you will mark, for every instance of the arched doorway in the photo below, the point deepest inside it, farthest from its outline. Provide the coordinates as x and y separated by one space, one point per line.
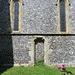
39 44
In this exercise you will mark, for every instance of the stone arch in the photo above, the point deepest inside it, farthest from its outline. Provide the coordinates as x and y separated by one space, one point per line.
32 51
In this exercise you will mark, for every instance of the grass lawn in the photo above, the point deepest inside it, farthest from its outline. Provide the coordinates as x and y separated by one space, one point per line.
39 69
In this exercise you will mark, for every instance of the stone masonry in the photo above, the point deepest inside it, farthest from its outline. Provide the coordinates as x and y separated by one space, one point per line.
39 36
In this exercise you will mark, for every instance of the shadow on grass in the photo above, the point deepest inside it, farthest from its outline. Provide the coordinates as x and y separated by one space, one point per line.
3 69
68 72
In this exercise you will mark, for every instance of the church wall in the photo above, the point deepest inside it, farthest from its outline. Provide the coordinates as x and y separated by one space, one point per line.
62 50
5 26
72 16
36 17
6 50
19 50
40 17
58 49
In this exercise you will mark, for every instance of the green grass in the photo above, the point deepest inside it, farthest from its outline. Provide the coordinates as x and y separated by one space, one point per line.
39 69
